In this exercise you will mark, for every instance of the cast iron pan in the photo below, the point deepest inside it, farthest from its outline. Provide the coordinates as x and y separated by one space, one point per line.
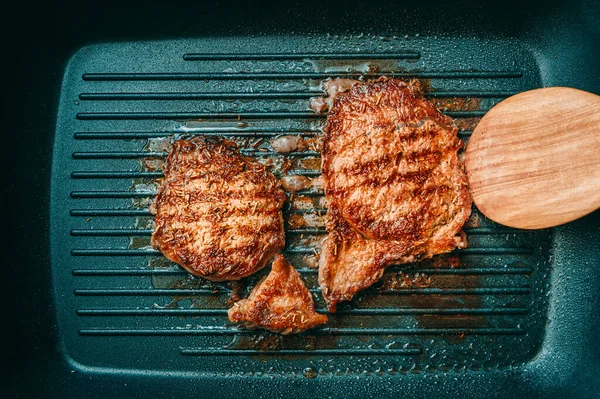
530 334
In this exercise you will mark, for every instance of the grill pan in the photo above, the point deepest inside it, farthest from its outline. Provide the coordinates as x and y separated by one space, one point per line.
512 314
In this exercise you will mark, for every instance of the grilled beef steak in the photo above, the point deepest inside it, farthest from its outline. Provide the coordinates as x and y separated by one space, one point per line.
279 303
218 214
395 187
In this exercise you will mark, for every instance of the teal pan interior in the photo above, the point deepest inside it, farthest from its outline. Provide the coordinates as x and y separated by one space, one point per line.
513 315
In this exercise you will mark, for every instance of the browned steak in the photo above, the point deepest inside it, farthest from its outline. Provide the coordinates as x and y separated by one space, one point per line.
395 187
279 303
218 214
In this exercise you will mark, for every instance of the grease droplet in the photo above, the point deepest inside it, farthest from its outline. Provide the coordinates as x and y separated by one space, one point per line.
310 372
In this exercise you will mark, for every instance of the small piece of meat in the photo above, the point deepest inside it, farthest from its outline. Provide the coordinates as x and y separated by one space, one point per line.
218 214
280 303
395 186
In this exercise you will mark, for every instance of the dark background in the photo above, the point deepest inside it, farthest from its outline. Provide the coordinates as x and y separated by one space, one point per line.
39 39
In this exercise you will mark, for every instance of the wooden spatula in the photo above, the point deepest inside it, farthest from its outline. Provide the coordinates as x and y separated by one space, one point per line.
534 159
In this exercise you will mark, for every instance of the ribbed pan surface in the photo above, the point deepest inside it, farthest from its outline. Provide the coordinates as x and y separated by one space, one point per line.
122 305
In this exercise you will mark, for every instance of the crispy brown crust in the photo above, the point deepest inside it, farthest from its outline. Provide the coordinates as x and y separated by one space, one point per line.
396 189
218 214
280 303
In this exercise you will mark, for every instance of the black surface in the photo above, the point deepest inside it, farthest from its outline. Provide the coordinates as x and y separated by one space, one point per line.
42 38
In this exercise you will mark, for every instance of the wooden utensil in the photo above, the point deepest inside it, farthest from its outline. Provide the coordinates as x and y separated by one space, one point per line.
534 159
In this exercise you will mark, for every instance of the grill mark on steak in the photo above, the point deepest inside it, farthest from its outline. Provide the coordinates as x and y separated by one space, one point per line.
386 162
396 190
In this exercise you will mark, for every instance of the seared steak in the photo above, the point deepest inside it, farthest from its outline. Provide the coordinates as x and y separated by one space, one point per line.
395 187
279 303
218 214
